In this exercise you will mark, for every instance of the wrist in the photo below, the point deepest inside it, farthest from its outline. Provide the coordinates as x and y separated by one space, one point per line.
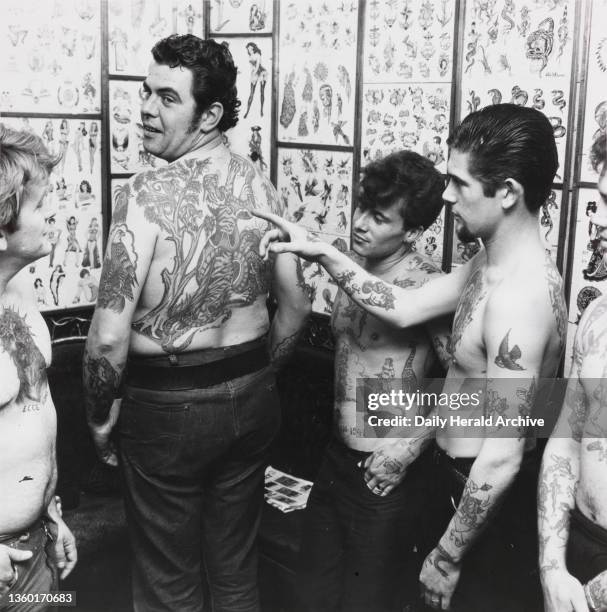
448 554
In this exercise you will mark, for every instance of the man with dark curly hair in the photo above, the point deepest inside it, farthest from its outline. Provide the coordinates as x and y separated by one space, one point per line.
182 305
349 561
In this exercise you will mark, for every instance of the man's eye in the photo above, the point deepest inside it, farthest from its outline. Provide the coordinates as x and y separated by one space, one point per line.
166 100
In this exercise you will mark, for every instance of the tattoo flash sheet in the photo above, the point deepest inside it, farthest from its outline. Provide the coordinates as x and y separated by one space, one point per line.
126 143
315 189
411 116
241 16
251 137
134 26
69 275
408 40
589 267
317 72
50 63
520 54
189 17
550 220
430 243
595 115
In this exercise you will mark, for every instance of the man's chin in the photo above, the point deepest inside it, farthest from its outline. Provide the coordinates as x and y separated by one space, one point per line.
464 234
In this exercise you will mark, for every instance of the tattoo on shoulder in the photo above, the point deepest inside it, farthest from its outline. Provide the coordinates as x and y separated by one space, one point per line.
17 341
474 293
378 293
557 298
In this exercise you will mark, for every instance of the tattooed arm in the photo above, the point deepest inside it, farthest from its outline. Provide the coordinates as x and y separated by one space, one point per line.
558 480
294 306
515 336
389 303
128 256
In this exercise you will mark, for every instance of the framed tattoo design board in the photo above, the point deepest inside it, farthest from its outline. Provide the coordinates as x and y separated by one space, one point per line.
69 275
317 72
241 17
50 64
251 136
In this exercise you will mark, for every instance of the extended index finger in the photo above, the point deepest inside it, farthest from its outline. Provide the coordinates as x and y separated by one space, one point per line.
272 218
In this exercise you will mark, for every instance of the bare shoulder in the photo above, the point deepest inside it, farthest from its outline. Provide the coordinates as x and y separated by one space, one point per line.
591 334
414 271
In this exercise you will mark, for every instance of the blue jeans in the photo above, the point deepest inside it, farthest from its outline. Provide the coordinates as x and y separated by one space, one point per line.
357 548
193 465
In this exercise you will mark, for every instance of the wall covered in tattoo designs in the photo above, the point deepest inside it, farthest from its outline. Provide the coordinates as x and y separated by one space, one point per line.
69 275
51 64
315 189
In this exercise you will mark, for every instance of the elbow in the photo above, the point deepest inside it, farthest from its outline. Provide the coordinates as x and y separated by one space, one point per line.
104 342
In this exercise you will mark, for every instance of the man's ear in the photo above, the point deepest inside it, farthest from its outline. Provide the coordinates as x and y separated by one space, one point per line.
411 235
511 192
211 117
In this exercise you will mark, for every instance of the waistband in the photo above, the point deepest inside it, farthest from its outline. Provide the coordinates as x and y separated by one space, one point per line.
197 369
340 446
463 465
37 528
582 523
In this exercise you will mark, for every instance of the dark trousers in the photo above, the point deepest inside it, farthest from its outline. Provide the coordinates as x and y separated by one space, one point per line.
38 575
500 571
586 548
193 466
357 547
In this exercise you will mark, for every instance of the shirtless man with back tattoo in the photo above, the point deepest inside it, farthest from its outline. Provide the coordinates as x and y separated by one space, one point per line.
30 517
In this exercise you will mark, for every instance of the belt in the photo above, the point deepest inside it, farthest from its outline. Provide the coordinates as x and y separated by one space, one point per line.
168 377
463 465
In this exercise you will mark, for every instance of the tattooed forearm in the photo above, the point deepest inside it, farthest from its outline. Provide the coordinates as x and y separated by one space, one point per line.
283 350
373 293
555 499
596 592
471 514
101 381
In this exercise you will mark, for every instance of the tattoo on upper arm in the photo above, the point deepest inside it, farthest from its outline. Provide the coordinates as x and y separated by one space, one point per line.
102 381
379 293
471 513
598 592
118 278
16 339
308 290
506 356
216 267
557 299
474 293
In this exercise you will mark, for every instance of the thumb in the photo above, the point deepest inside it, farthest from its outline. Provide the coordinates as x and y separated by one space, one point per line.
18 556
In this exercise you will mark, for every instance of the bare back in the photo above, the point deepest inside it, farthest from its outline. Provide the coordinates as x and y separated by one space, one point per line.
203 283
28 423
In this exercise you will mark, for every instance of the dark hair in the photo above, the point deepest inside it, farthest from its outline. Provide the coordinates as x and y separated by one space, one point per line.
213 72
407 177
509 141
598 152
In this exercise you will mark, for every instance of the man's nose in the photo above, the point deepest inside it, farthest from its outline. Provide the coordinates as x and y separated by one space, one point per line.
149 107
360 222
449 194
